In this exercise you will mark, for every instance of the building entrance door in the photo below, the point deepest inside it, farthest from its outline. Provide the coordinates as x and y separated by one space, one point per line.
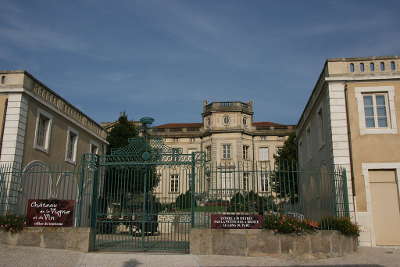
385 207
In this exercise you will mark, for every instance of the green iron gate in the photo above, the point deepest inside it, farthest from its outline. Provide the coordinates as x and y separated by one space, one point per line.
143 197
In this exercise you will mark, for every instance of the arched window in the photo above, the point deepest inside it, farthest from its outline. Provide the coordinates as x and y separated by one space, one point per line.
362 68
3 79
351 67
244 121
371 66
382 66
392 65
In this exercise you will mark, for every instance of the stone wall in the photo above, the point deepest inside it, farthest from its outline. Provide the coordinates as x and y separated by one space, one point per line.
255 242
80 239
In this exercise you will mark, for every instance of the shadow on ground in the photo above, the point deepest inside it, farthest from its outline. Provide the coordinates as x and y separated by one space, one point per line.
131 263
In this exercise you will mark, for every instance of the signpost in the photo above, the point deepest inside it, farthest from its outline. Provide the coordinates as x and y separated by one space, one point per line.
224 221
50 213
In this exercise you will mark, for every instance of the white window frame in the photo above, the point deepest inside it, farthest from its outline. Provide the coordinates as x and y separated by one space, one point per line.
390 113
93 143
245 151
46 147
73 160
208 153
264 177
174 183
227 179
259 153
227 154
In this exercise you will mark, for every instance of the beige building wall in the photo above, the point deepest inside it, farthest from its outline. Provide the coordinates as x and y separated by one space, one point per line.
26 98
367 153
56 153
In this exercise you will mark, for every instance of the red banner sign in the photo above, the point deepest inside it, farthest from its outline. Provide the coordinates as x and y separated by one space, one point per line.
223 221
50 213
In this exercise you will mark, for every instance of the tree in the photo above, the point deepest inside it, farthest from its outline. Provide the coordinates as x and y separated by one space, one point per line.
285 177
125 182
120 133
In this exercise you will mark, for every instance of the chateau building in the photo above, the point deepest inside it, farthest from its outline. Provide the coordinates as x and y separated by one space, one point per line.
236 148
227 134
352 120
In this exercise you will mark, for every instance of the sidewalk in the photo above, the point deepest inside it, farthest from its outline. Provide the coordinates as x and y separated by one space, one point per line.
30 256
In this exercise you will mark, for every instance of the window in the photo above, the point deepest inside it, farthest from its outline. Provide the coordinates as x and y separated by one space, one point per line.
43 130
72 143
321 127
308 141
227 120
376 109
372 66
245 152
264 182
351 67
362 68
226 179
263 153
3 79
174 183
94 148
245 181
208 153
392 65
245 121
382 66
226 151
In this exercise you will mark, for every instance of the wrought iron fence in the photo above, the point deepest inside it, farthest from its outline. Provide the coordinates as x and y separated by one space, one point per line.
38 180
250 187
192 192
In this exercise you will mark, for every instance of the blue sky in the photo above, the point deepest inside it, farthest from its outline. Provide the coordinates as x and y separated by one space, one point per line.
163 58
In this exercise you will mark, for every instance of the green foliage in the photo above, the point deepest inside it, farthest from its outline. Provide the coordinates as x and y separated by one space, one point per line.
285 178
288 225
12 223
342 224
251 202
289 150
184 201
121 132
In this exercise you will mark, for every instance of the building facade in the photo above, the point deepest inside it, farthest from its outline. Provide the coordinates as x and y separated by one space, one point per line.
39 126
351 120
234 145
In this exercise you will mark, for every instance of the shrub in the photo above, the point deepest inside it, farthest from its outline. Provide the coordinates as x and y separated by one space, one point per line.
251 202
184 201
12 223
342 224
287 225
